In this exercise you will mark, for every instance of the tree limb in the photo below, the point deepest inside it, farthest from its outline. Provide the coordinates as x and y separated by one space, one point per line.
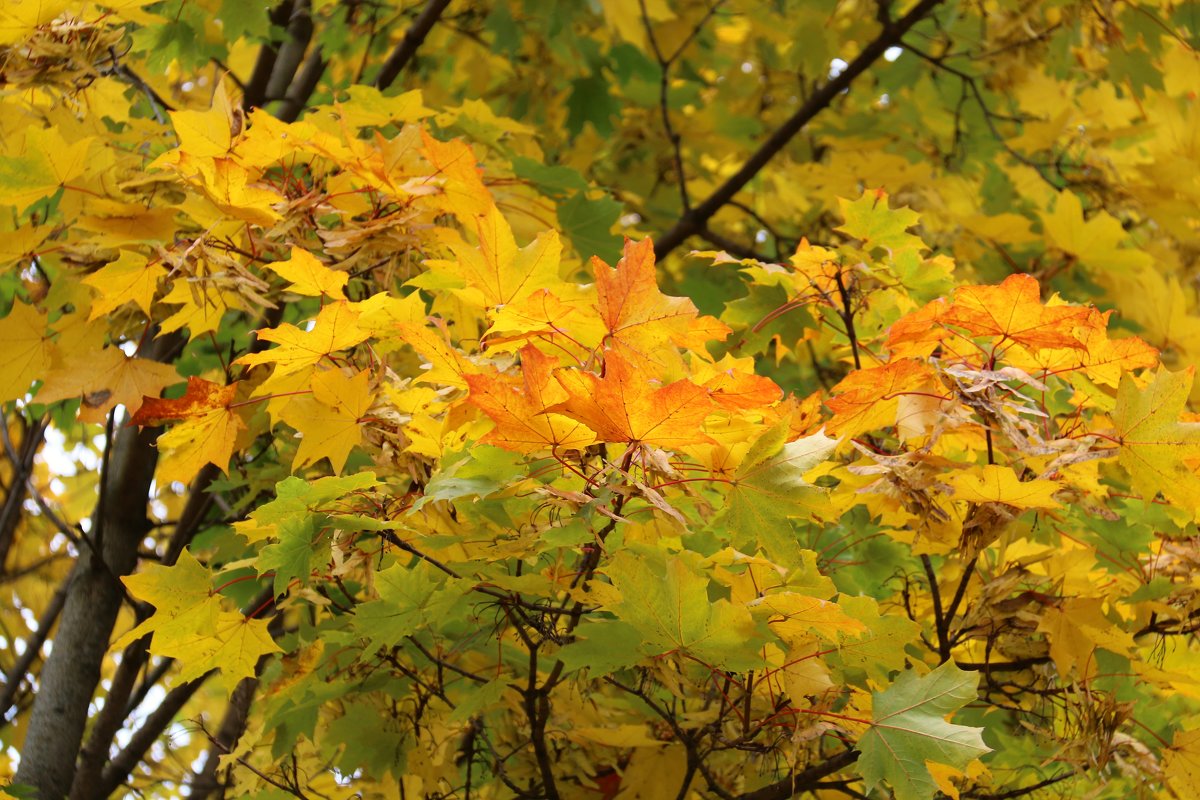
694 221
408 46
802 781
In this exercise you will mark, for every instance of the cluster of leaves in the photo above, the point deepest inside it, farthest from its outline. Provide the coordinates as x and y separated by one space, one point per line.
452 496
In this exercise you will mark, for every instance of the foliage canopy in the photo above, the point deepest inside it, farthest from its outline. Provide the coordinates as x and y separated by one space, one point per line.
372 428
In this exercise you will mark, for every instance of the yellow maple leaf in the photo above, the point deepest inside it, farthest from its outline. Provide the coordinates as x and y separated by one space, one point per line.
447 364
497 272
1181 763
124 223
463 193
20 19
996 484
129 279
207 134
570 323
368 106
1075 629
233 189
203 306
1095 241
191 624
310 277
181 594
104 379
336 328
794 616
328 421
206 435
25 349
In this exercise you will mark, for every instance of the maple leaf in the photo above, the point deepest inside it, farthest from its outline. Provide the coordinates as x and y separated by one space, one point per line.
867 399
869 220
918 334
996 484
1155 445
881 646
564 322
1075 629
1181 762
665 597
768 489
203 307
636 313
410 598
105 379
519 411
207 134
129 279
794 616
622 406
236 192
909 728
1014 311
463 193
447 364
46 161
497 272
308 276
336 328
26 350
329 421
732 384
1095 241
1103 361
206 434
191 624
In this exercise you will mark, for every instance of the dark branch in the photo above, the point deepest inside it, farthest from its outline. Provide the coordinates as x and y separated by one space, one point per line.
694 221
408 46
802 781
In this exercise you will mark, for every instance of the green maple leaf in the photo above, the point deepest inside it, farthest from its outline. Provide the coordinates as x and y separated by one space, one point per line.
769 489
588 224
869 220
880 648
1154 443
296 498
410 598
297 553
603 647
910 728
665 597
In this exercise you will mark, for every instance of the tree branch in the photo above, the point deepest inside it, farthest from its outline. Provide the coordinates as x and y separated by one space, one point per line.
802 781
693 222
22 464
408 46
33 648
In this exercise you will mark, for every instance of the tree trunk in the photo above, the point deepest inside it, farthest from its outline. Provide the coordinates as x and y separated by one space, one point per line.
68 680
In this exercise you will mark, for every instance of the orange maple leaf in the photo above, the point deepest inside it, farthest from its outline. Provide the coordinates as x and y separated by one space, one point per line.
640 317
1014 311
624 406
206 434
200 398
868 398
519 408
918 334
463 193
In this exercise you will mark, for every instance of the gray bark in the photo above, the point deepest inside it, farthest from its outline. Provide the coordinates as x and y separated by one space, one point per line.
68 680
